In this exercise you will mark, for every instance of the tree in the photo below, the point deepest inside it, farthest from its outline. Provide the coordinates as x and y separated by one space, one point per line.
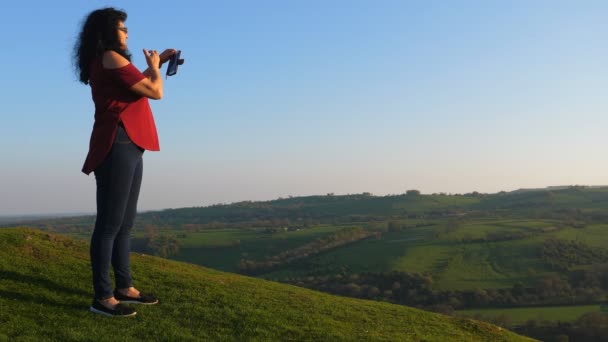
518 289
593 324
151 232
394 226
372 292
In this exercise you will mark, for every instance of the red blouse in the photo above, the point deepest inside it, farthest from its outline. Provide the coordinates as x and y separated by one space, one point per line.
114 102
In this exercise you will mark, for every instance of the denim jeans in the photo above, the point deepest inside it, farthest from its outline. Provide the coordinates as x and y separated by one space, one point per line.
118 181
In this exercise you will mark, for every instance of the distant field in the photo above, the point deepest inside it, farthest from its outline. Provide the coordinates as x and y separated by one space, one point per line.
521 315
369 255
224 249
491 265
484 229
215 238
593 235
454 265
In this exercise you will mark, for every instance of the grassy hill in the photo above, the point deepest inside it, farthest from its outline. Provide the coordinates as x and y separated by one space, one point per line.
45 291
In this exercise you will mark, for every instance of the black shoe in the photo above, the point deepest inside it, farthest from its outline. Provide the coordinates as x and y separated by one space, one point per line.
118 311
146 299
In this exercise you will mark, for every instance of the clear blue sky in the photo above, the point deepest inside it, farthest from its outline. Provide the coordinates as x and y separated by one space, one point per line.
281 98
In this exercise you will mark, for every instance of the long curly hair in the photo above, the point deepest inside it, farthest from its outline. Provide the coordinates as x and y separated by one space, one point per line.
98 35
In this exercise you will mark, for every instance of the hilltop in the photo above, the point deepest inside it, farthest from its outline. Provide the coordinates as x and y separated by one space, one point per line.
45 291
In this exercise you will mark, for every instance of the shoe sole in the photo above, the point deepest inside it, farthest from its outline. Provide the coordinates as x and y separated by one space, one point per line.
97 311
137 302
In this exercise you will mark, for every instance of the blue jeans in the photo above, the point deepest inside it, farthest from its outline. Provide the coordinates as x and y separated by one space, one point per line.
118 181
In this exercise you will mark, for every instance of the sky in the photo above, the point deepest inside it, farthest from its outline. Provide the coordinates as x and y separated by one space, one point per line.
296 98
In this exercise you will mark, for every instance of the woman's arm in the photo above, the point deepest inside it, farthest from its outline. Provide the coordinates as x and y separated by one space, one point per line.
152 86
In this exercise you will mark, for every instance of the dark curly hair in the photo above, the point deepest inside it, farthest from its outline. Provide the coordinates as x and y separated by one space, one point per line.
99 34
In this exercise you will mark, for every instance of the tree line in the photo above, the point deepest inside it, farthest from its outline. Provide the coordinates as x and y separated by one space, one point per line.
561 255
590 327
153 243
415 289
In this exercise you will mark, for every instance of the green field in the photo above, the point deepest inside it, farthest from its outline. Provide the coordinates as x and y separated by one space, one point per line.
453 264
224 249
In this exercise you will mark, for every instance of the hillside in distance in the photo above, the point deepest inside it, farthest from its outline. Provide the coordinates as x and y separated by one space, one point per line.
45 288
410 204
553 202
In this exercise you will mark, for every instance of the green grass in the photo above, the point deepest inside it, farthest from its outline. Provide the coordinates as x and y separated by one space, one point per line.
594 235
521 315
216 238
224 249
45 291
453 264
491 265
423 258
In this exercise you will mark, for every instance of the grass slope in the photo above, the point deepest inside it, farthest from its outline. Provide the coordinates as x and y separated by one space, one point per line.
45 292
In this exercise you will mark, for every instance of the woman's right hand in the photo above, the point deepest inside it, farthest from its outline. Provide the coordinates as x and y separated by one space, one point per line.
152 58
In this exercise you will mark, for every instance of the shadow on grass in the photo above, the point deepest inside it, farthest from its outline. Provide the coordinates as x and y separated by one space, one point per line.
21 297
41 283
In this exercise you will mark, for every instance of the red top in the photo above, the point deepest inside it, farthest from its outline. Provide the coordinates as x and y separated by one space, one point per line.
114 102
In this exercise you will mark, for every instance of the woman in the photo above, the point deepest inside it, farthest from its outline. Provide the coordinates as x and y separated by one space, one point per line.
124 127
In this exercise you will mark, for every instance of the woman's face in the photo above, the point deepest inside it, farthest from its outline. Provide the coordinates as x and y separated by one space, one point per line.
122 35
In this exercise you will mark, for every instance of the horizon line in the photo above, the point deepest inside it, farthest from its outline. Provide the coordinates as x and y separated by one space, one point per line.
24 216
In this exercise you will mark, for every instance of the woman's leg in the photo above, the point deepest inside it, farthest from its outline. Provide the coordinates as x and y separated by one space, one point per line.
115 178
122 242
